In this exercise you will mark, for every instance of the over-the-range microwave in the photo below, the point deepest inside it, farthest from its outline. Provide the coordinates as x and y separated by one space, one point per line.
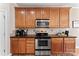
40 23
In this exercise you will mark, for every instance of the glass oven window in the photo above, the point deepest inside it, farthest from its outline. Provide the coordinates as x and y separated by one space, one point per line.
42 42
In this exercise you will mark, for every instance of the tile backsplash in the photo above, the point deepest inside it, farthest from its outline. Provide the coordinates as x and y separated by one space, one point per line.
31 31
72 31
36 30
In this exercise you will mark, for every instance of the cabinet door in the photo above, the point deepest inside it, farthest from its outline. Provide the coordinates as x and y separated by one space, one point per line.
38 13
42 13
19 17
69 45
30 45
45 13
64 17
30 17
57 46
21 45
14 45
54 17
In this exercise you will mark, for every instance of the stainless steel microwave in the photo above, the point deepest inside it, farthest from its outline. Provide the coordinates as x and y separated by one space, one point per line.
42 23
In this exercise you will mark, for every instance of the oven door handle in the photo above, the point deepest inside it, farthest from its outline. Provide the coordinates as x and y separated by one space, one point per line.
36 43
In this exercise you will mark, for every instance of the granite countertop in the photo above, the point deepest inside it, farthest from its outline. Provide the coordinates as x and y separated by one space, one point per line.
33 36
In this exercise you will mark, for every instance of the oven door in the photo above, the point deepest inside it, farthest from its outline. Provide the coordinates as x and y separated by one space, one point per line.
42 44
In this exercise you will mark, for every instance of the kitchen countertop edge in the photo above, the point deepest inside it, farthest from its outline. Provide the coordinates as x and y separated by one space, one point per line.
52 36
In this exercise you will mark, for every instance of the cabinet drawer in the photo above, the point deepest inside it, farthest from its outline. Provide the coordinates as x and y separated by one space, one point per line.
30 39
30 42
30 50
32 45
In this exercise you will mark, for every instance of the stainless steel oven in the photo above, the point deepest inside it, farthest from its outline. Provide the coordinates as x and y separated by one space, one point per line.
42 43
43 46
42 22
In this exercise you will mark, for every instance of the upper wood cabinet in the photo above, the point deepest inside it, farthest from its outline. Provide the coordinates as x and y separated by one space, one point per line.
59 17
45 13
42 13
54 17
20 17
25 17
38 13
64 17
30 17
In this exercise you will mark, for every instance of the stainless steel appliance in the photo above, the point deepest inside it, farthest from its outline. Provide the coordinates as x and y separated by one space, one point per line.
42 22
42 44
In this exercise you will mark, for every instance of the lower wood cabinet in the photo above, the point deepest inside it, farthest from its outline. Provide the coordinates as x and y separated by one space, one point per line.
57 45
69 45
22 46
30 45
14 45
63 46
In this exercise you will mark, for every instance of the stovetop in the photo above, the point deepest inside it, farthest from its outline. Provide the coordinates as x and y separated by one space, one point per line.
41 34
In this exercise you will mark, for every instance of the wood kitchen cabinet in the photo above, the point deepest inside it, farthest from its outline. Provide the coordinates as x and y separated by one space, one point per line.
57 45
45 13
38 13
18 45
20 17
63 45
25 17
64 17
54 17
30 17
14 45
30 46
59 17
21 45
69 45
42 13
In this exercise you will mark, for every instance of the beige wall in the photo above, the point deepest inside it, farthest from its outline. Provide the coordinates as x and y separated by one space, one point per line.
74 15
6 9
9 18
